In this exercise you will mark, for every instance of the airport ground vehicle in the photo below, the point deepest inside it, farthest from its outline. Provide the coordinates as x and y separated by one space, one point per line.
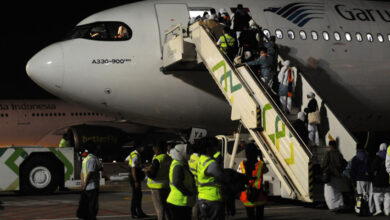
37 170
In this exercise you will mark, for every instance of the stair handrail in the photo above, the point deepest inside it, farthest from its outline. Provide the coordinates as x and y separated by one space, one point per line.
275 106
264 90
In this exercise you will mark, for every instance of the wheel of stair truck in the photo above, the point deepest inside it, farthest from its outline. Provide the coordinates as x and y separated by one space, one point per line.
38 176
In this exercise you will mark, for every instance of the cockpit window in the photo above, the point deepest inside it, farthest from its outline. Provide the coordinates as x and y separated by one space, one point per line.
103 31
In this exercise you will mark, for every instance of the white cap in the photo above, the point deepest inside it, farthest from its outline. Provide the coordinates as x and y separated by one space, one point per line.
383 146
179 152
222 10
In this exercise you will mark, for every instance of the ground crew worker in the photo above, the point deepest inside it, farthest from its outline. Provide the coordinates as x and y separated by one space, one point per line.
158 180
253 197
226 43
210 177
193 166
182 195
64 142
387 162
135 178
90 179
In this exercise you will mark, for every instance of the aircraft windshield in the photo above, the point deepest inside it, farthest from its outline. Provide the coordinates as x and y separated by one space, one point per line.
103 31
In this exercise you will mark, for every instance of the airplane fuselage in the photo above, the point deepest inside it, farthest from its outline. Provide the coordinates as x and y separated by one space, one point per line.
124 77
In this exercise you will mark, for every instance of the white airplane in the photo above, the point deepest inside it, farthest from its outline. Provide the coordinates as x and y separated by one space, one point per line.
43 122
341 46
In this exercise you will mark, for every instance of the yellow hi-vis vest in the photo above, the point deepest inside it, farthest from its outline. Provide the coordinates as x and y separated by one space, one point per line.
208 189
84 166
162 180
226 40
193 165
255 183
133 154
63 143
217 154
175 196
388 154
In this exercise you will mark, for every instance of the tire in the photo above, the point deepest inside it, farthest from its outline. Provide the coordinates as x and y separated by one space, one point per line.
39 176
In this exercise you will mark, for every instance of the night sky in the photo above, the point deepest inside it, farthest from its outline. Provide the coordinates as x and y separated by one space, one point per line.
30 26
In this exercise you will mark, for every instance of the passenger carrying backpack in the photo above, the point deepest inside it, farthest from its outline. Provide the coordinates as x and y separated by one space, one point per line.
361 207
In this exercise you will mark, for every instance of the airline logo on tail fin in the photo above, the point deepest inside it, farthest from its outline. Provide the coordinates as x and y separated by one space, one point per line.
299 13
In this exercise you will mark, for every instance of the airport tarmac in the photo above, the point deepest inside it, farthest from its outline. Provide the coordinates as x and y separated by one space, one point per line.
114 203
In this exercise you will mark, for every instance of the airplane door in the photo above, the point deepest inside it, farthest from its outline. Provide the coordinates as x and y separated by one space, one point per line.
170 15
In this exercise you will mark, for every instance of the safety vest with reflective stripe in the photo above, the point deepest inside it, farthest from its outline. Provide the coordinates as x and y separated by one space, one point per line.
193 165
133 154
162 180
226 40
84 166
208 189
176 197
253 183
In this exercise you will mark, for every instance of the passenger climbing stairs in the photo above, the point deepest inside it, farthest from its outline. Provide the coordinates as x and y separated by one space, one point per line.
253 104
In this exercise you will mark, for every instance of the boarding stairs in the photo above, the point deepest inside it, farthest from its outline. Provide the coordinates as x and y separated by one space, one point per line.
252 104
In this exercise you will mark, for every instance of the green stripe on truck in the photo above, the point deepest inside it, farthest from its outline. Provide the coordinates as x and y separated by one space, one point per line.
63 159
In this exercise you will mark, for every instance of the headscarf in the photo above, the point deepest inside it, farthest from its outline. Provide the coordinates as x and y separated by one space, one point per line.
286 63
179 153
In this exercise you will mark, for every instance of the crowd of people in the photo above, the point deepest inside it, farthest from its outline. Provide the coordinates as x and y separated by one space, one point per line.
242 40
362 184
189 181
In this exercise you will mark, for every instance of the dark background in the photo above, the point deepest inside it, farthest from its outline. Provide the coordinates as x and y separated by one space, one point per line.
29 26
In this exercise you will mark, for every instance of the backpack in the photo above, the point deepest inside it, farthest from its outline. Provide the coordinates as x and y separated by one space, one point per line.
361 206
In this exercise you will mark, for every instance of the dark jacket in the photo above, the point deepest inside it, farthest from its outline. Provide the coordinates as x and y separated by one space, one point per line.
360 168
333 163
301 129
241 19
378 169
312 106
248 39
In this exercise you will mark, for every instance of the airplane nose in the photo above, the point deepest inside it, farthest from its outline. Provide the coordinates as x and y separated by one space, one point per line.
46 68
